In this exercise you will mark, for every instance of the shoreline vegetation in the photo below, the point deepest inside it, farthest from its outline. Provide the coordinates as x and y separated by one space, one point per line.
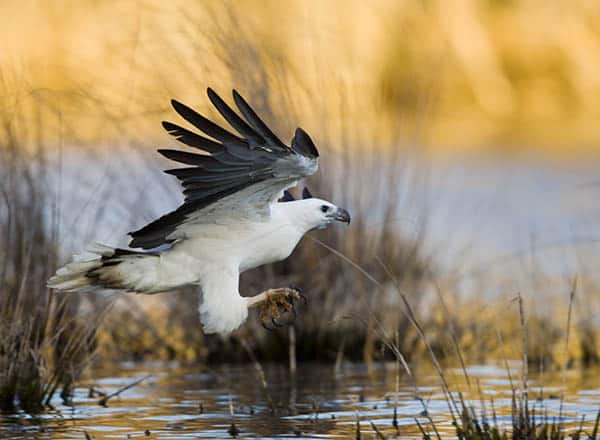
374 293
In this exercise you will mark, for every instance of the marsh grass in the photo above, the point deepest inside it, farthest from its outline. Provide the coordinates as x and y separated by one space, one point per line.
44 343
529 418
526 424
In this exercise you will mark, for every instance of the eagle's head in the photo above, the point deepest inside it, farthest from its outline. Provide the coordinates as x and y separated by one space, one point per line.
312 213
318 213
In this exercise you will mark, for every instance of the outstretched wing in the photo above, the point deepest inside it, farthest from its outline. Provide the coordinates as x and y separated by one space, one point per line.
237 177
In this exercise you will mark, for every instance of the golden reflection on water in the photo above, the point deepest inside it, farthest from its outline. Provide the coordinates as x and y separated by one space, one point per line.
181 402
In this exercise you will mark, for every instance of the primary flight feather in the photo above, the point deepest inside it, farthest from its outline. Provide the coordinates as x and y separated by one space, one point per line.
237 214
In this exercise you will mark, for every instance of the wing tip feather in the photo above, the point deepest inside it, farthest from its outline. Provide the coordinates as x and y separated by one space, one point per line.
303 144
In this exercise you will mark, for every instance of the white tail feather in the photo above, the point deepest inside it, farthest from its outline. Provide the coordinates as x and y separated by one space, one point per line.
73 276
110 268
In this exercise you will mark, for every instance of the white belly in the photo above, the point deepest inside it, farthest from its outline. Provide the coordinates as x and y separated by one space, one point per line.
246 245
263 248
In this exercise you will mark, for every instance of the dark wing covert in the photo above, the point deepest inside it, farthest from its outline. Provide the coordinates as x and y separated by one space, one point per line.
230 163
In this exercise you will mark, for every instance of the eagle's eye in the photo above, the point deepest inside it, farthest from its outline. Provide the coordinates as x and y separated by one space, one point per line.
324 208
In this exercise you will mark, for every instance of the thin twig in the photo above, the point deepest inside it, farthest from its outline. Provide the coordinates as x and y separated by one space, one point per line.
378 433
568 330
105 399
259 371
452 333
292 350
525 395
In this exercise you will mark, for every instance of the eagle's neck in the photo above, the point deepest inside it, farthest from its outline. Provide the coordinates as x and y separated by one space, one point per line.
297 213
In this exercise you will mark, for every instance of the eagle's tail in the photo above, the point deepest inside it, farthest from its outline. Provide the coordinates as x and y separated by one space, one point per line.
110 269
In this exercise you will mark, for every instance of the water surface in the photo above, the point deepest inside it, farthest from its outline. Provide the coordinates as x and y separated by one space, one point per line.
182 402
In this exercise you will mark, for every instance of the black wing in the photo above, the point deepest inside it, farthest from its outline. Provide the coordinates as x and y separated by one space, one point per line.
233 164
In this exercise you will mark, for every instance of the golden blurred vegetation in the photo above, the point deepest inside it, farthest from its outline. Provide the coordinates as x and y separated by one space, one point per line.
449 75
485 330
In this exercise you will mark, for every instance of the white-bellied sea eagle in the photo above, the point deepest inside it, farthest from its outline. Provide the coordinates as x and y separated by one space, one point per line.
237 215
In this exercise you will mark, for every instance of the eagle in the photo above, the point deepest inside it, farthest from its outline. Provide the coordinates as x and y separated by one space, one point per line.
237 214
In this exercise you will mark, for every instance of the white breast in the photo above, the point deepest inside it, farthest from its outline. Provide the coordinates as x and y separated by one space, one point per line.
244 242
268 243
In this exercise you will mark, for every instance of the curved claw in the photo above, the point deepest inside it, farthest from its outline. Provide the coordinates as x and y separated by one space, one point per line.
296 288
291 301
301 295
275 323
266 327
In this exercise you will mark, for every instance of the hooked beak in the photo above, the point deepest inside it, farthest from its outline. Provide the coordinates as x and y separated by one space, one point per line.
341 215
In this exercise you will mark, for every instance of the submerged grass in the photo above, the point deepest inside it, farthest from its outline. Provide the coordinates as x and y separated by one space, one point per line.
526 424
529 418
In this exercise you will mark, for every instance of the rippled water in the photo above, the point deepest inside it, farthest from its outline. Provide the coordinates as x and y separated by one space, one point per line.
176 402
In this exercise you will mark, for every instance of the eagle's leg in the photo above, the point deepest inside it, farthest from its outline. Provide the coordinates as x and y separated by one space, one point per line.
274 302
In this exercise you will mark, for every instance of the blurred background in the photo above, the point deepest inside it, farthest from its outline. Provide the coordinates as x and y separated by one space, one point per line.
462 135
475 76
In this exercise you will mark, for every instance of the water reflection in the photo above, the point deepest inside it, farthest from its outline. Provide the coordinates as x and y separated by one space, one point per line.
177 402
